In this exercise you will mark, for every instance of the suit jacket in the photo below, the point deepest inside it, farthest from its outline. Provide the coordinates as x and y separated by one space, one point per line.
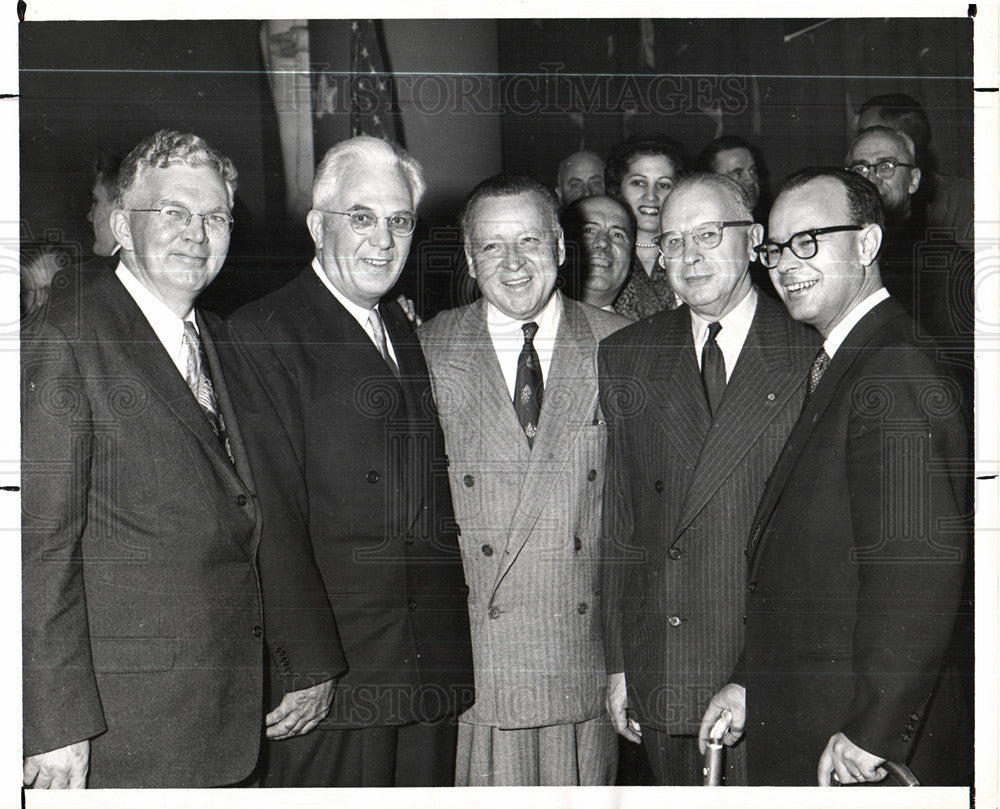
378 504
529 517
142 617
856 563
681 494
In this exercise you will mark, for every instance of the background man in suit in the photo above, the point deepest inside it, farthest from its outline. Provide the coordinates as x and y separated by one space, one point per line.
580 175
515 380
349 380
858 547
699 401
142 613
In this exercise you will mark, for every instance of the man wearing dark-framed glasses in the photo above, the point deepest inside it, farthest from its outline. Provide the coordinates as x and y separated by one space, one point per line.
854 580
710 391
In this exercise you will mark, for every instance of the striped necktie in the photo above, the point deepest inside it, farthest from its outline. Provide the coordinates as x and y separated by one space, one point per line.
378 334
198 380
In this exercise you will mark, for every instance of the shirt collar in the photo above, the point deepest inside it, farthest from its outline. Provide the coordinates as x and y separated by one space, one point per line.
736 321
168 327
504 327
839 332
359 313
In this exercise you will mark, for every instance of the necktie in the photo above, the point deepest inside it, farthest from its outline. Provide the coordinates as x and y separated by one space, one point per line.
528 388
713 369
197 378
378 333
816 371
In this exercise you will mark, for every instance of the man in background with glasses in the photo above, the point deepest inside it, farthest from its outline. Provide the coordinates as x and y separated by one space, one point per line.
699 402
142 519
350 382
859 545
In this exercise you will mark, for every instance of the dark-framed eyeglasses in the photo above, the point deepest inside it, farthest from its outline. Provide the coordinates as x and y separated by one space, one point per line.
364 222
176 217
802 244
707 235
884 169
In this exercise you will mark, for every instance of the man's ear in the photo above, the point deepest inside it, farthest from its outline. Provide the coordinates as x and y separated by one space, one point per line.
314 221
869 241
468 261
122 228
562 248
755 236
915 176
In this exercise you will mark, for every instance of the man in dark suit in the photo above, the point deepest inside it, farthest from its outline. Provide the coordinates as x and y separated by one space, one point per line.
348 377
858 548
142 614
699 402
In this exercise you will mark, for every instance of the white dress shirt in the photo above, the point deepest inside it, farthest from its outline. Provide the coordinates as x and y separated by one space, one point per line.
733 334
839 332
359 313
168 327
508 338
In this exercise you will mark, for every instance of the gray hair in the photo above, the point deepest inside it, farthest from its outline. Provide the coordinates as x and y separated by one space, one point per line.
898 135
168 147
371 152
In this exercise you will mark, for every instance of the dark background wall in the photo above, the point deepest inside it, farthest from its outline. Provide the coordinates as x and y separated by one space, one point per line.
476 96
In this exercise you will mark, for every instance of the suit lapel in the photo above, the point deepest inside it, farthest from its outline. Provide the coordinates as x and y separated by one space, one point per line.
570 402
761 383
857 339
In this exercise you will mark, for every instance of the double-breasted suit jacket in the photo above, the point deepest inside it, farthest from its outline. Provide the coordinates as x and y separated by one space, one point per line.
681 493
142 618
529 517
378 502
856 563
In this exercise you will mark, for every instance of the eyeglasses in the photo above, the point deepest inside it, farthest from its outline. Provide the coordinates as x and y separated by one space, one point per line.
177 217
364 222
707 235
884 169
802 244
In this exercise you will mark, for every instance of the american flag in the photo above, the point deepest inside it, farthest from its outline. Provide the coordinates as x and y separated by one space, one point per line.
373 94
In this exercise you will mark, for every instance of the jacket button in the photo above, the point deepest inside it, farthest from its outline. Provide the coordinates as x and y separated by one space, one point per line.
658 485
582 608
468 480
743 619
577 543
674 553
674 620
487 549
411 604
465 589
447 460
241 499
592 475
752 587
494 612
281 651
258 630
372 477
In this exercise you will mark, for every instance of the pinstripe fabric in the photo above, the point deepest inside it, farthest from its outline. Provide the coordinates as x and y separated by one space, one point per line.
681 495
529 518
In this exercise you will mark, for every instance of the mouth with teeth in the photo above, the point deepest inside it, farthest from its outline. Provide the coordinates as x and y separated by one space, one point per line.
800 286
649 210
377 263
517 283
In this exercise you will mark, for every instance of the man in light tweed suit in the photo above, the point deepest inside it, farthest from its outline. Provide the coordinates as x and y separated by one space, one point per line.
515 381
699 402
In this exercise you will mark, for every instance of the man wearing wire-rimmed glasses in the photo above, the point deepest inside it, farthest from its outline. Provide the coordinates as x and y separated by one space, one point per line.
699 402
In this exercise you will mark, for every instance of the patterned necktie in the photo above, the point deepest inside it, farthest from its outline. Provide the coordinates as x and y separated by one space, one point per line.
816 371
528 388
713 369
197 378
378 333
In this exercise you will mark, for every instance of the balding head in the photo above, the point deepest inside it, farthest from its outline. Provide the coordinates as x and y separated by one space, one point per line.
580 175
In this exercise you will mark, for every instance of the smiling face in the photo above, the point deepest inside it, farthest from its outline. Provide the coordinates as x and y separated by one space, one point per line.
607 240
513 253
712 281
821 290
739 164
648 181
362 267
175 265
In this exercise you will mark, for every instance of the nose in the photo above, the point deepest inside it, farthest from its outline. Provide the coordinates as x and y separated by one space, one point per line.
692 252
786 261
381 236
600 239
196 232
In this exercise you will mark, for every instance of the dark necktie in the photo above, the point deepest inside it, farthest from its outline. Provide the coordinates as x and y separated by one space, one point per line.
816 371
197 378
713 369
528 387
378 332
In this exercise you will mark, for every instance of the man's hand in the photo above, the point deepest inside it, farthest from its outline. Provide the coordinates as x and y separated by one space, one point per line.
727 711
300 711
64 768
848 763
409 310
616 702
